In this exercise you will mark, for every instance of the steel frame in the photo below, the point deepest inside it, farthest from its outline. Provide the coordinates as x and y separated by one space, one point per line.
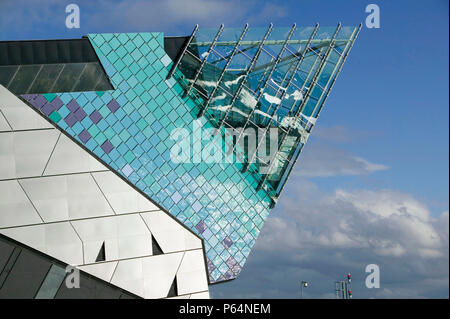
197 74
180 57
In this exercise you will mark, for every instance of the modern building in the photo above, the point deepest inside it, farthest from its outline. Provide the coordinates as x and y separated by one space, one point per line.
150 163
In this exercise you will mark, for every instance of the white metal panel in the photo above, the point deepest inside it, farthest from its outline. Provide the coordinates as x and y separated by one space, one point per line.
129 276
191 277
25 153
148 277
4 126
101 270
58 240
15 207
66 197
18 114
68 157
170 235
92 249
159 273
125 236
7 157
122 197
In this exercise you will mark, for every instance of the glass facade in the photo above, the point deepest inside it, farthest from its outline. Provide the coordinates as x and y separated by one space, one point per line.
45 66
26 273
262 79
130 127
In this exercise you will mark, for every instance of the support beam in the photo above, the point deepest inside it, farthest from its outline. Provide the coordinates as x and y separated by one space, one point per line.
249 69
305 50
316 76
271 42
230 57
199 71
345 54
175 66
347 49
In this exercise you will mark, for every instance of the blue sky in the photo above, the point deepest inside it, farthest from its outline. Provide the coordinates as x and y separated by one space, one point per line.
377 162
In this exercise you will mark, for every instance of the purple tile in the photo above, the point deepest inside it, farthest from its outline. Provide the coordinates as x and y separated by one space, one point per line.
113 105
39 101
47 109
57 103
227 242
229 274
211 266
70 120
231 262
73 106
107 147
201 226
95 117
84 136
29 97
80 114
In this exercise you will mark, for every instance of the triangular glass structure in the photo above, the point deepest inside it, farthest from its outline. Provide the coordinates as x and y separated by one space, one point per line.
262 81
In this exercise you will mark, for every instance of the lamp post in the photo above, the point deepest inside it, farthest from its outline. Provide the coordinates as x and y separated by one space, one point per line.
302 284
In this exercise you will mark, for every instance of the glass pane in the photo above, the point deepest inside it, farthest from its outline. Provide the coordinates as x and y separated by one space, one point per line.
279 82
46 79
89 78
6 73
51 283
23 78
68 77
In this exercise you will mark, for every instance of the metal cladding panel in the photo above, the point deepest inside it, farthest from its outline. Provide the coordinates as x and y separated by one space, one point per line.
77 210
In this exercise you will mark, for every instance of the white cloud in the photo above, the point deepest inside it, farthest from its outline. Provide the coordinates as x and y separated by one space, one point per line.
386 222
322 236
322 160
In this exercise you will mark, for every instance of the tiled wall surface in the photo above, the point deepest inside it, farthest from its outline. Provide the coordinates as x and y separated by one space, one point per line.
129 129
57 198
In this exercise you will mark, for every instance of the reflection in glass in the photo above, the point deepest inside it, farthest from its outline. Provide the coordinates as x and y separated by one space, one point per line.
264 78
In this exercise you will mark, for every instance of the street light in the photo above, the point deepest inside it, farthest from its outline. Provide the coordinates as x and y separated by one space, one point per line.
303 284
